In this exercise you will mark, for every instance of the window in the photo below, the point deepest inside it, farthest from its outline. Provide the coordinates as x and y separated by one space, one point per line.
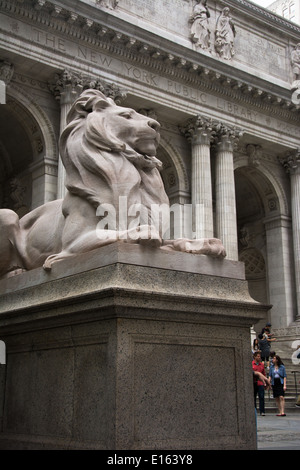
285 12
292 11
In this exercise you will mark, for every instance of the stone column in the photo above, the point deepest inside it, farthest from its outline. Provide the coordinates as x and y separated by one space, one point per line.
6 73
226 223
198 132
292 165
66 88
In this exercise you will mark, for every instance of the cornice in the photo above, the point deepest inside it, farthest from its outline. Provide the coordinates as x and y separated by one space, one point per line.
263 15
163 57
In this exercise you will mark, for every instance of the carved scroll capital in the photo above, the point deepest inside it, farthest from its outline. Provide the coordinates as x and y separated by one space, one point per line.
198 130
291 161
225 137
68 85
6 71
111 90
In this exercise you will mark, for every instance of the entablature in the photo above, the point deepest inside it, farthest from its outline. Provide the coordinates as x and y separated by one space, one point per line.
108 33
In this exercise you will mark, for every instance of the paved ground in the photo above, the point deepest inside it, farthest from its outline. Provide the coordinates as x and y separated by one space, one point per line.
279 433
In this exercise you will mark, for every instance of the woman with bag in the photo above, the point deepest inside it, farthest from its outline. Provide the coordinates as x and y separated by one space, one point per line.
278 382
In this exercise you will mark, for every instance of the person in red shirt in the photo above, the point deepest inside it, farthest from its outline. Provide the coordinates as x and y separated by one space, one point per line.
259 387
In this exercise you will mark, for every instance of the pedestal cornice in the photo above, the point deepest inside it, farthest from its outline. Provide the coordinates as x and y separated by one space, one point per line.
109 272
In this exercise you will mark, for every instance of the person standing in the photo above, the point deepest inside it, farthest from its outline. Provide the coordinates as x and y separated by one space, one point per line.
265 347
278 382
255 346
259 387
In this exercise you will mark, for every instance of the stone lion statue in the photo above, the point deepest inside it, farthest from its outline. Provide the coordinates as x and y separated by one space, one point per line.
108 152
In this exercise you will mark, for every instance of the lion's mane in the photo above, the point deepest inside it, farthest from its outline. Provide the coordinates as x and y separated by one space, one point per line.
88 144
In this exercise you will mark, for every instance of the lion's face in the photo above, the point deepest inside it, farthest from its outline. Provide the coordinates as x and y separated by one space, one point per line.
97 132
139 132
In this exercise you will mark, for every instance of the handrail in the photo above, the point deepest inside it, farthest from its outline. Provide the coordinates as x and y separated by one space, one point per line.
295 378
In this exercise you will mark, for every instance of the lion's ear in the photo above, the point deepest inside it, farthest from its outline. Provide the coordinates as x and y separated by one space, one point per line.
99 105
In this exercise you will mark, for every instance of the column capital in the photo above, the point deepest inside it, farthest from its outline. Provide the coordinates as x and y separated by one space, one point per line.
68 85
198 129
111 90
291 161
225 137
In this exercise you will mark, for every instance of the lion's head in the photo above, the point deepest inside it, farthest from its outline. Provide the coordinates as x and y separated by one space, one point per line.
97 129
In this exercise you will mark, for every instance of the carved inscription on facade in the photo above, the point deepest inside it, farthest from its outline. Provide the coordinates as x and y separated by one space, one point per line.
237 110
163 83
79 51
94 62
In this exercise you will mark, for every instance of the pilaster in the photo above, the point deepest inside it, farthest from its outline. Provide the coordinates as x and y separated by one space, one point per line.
6 73
292 165
281 277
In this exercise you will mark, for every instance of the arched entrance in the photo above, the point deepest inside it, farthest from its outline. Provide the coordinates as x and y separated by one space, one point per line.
265 243
16 156
174 174
176 185
251 231
28 154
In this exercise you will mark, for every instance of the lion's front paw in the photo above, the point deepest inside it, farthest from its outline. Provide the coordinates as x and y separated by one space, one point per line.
204 246
144 235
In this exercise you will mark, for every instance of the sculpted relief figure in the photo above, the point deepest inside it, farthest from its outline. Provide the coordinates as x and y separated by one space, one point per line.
224 35
111 4
295 60
109 155
200 31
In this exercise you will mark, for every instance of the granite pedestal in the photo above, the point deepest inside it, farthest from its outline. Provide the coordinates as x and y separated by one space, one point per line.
127 347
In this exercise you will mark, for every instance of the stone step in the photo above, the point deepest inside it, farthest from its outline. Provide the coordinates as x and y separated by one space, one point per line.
271 407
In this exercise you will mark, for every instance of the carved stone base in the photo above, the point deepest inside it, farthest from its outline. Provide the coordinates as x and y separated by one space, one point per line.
128 348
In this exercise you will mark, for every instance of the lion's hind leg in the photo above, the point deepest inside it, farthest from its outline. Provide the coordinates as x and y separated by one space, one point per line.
11 238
